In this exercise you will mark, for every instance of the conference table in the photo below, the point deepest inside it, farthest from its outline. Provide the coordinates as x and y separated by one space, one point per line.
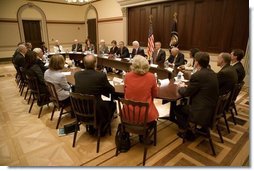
117 63
167 92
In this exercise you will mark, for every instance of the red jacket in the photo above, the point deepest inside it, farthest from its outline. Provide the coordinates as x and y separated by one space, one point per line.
142 88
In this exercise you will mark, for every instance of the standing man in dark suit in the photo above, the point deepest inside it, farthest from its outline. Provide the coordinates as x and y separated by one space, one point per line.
203 91
227 76
158 55
176 58
96 83
137 50
19 58
236 57
123 51
76 47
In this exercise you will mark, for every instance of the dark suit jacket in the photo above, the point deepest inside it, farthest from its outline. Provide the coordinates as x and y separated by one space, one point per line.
125 52
179 59
96 83
19 60
41 65
36 71
139 52
240 71
160 57
79 49
227 78
203 90
92 82
113 50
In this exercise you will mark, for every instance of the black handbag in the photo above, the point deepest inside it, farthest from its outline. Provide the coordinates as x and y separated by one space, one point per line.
122 139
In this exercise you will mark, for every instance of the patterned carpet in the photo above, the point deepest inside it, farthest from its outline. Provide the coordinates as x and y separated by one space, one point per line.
26 140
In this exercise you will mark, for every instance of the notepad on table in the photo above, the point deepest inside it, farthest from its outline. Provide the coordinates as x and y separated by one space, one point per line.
154 65
164 82
67 73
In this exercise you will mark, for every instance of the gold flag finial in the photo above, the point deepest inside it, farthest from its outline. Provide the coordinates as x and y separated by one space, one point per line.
150 18
175 16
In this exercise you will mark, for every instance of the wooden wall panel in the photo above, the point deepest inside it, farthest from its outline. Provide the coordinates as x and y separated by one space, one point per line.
211 25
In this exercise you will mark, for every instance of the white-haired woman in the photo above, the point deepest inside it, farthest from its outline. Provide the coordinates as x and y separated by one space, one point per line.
140 85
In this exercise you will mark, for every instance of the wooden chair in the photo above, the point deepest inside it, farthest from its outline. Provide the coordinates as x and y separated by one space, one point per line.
57 104
84 107
217 114
41 98
24 83
232 107
220 112
133 117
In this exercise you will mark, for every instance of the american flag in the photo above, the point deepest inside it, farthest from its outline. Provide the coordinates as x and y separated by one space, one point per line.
150 46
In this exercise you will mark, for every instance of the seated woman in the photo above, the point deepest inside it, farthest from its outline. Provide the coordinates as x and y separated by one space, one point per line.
89 46
55 76
32 69
140 85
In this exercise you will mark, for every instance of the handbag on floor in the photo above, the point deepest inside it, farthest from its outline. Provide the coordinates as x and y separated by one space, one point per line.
122 139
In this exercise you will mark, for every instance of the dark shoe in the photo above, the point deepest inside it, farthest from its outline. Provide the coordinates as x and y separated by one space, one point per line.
188 135
201 130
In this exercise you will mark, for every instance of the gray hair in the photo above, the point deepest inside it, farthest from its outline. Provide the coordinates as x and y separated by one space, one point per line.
135 42
37 50
140 65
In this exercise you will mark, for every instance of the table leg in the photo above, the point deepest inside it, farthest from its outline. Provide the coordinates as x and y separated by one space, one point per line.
171 115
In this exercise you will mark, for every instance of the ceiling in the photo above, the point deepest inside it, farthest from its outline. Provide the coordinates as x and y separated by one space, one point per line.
62 2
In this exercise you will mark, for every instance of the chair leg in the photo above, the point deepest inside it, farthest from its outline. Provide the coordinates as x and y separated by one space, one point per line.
40 112
144 156
29 98
26 92
233 116
75 134
98 139
211 143
22 89
235 110
53 111
219 132
31 106
155 135
226 122
59 118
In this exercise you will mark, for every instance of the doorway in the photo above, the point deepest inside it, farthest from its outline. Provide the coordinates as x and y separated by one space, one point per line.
32 32
92 34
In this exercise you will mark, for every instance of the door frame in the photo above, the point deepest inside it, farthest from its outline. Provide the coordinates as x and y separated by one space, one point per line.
91 7
43 23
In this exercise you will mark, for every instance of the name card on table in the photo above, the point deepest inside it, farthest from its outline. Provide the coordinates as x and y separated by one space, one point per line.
154 65
118 59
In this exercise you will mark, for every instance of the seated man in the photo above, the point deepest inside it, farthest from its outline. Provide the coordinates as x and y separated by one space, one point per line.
103 47
236 57
96 83
158 55
137 50
123 51
40 61
176 58
76 47
203 91
58 48
227 76
29 46
19 58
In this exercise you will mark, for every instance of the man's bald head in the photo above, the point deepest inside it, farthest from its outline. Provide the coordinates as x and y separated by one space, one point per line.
90 61
22 49
174 51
